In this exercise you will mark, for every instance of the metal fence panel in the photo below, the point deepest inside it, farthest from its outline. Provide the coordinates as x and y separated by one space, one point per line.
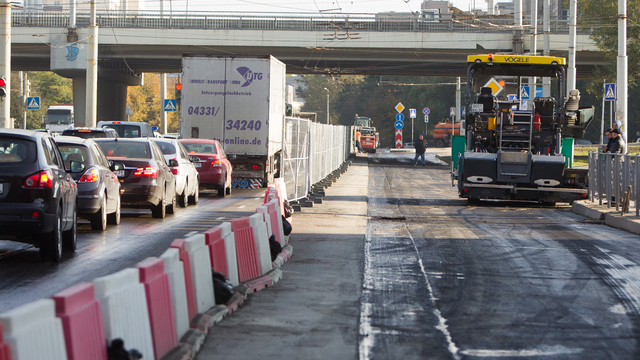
311 152
610 176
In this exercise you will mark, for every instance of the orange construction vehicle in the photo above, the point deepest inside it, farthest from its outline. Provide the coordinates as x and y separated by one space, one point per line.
368 135
442 133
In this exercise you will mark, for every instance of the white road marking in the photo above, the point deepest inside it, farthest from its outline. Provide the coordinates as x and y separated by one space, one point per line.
542 351
190 233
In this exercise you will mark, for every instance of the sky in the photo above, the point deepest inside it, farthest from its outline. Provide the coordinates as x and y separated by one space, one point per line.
316 6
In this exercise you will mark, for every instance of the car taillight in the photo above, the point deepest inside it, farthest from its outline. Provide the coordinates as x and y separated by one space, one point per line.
39 180
216 163
149 171
90 175
256 167
175 170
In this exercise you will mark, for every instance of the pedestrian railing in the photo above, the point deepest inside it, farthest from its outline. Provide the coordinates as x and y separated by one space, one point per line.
344 24
614 180
311 151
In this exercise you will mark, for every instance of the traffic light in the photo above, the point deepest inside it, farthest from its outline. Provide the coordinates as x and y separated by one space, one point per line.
3 88
178 95
289 110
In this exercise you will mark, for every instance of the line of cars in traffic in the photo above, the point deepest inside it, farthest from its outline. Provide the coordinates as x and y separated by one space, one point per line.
47 182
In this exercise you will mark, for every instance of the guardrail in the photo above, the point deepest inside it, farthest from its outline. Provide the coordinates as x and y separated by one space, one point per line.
311 152
343 25
612 177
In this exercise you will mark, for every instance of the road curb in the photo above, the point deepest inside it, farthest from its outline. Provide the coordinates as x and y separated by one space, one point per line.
611 217
580 208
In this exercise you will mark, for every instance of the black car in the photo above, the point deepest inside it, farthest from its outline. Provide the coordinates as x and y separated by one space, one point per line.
98 186
90 133
146 179
37 194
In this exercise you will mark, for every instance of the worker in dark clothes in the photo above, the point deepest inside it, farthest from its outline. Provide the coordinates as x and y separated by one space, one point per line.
420 149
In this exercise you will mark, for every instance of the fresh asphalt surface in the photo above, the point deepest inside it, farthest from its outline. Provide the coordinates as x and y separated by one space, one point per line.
394 266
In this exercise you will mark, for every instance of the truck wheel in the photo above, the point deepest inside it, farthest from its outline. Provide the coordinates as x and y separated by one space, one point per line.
439 143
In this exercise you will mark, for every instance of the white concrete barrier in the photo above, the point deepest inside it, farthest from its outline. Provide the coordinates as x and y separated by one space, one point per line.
262 241
201 272
264 210
124 310
34 332
230 248
175 269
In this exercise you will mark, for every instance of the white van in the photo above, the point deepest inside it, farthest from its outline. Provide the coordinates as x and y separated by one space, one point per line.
129 129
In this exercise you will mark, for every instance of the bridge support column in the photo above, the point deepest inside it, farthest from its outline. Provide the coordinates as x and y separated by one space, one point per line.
79 101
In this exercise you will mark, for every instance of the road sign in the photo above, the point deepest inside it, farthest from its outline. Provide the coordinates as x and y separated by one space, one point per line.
524 93
609 92
512 97
398 138
170 105
412 113
426 111
495 86
399 107
399 117
398 125
538 92
33 103
464 111
452 111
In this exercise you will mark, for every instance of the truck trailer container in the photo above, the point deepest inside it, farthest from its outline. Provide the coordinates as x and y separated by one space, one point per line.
239 101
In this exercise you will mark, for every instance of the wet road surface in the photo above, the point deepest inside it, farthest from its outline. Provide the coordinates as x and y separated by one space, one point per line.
24 278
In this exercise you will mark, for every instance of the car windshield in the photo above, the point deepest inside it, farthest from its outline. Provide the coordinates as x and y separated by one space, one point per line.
127 131
201 148
16 151
85 134
166 147
125 150
74 152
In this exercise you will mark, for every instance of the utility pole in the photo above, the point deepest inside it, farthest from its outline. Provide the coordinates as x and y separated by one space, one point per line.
25 90
622 68
546 28
163 95
571 71
5 63
92 70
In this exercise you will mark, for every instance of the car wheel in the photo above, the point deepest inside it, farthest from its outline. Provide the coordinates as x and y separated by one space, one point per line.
221 190
228 190
70 237
160 211
193 199
183 199
51 243
171 209
114 218
99 219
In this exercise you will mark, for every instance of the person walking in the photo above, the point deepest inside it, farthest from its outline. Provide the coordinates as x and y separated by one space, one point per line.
618 146
420 149
607 147
358 135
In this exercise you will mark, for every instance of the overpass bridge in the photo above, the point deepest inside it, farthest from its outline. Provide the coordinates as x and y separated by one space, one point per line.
133 43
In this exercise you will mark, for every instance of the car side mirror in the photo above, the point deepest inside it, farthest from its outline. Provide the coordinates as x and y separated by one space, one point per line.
76 166
194 158
231 157
173 163
115 166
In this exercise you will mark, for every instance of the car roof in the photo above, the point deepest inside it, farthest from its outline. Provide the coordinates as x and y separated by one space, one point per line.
72 140
202 141
23 133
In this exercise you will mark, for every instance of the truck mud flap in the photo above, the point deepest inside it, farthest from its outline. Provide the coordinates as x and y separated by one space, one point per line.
246 183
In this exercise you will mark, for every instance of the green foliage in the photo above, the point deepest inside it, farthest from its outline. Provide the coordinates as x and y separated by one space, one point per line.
52 89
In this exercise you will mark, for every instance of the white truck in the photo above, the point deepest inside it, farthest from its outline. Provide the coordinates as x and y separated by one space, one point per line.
59 117
239 101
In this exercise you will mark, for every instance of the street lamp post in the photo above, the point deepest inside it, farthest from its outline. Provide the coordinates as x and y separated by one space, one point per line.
327 105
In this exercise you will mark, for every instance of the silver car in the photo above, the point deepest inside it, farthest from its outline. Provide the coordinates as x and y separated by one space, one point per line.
181 165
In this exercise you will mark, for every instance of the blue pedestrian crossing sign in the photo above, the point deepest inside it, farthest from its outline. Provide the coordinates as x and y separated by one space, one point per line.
170 105
398 125
524 93
609 92
464 111
399 117
33 103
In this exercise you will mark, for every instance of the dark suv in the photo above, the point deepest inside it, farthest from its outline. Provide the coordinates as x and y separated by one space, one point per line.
37 195
90 133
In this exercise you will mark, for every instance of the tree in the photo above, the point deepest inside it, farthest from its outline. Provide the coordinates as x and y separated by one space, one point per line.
146 102
50 87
